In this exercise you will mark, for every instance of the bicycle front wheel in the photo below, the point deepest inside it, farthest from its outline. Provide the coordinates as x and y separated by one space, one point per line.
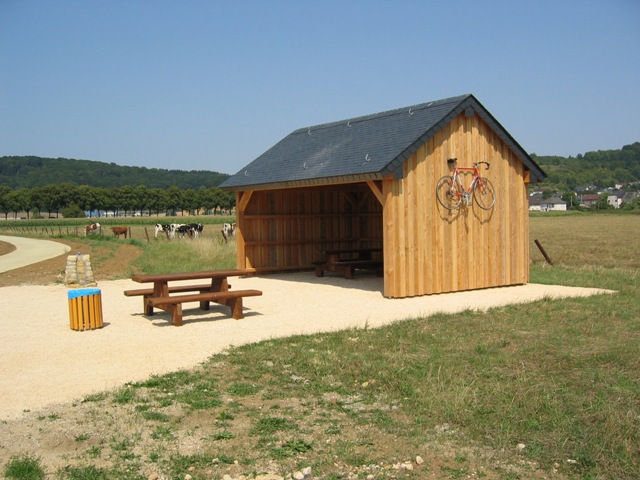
447 193
484 194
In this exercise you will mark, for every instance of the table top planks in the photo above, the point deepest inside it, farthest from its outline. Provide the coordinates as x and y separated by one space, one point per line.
167 277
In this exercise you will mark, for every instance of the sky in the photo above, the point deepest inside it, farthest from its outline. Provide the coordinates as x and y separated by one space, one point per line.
211 85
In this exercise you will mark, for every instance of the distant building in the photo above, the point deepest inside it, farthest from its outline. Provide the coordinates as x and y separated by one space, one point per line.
553 204
589 200
534 203
615 199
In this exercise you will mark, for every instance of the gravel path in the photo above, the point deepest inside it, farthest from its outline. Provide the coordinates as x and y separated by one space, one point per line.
45 362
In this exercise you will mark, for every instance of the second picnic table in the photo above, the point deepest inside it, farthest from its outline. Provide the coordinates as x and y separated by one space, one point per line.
160 296
358 258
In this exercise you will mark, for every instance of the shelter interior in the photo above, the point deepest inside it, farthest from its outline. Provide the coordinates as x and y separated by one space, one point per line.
290 228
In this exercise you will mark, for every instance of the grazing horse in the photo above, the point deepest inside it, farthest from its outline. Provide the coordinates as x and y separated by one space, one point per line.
93 228
117 231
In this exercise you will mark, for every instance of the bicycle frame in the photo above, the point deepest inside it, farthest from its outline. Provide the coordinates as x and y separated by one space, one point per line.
463 192
450 189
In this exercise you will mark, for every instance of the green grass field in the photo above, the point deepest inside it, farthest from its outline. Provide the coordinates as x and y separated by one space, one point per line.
543 390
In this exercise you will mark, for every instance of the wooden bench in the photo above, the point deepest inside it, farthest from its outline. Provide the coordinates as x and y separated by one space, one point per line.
319 266
175 289
173 304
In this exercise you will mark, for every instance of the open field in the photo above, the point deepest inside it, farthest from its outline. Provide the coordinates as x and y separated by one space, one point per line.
587 240
543 390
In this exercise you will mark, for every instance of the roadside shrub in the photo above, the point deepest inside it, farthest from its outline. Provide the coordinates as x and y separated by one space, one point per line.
73 211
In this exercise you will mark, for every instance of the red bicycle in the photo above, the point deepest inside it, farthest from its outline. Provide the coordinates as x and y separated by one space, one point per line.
451 192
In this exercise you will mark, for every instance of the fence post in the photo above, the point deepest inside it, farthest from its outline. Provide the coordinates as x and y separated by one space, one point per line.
544 254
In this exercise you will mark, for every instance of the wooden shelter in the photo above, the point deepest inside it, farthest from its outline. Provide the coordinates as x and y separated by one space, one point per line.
371 182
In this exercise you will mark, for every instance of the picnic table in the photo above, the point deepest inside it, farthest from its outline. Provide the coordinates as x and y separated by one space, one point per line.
348 260
162 295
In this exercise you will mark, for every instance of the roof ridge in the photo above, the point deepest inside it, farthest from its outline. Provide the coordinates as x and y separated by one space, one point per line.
387 113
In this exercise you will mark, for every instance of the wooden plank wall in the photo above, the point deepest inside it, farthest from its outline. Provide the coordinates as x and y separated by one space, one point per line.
290 228
428 249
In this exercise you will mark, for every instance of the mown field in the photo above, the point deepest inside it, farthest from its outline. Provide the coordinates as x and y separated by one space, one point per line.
549 389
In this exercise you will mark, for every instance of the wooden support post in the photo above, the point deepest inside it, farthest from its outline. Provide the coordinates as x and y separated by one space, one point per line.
544 254
242 200
377 191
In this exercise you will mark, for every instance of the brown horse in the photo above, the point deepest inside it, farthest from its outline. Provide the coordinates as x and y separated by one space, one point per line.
117 231
93 228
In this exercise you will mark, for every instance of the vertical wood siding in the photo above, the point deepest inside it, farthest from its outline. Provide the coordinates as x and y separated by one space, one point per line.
428 249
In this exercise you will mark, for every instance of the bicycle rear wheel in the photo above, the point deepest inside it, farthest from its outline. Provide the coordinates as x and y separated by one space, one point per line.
447 193
484 194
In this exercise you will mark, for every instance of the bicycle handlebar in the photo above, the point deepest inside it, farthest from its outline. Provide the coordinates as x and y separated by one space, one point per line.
453 161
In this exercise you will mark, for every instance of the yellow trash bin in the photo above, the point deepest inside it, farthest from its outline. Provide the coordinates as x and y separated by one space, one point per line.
85 309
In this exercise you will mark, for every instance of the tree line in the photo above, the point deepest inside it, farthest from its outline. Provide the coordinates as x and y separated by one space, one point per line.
602 168
31 171
74 201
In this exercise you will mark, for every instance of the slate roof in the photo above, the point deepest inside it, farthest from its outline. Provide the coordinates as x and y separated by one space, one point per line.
553 201
362 148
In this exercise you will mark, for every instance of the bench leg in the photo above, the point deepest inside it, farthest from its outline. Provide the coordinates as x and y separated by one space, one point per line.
148 309
236 307
176 313
348 272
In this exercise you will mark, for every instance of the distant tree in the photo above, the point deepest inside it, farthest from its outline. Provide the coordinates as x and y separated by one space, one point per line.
142 198
28 172
21 201
547 193
73 211
52 197
174 198
228 201
109 199
569 197
203 199
5 200
190 201
633 204
86 197
126 199
157 200
40 198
